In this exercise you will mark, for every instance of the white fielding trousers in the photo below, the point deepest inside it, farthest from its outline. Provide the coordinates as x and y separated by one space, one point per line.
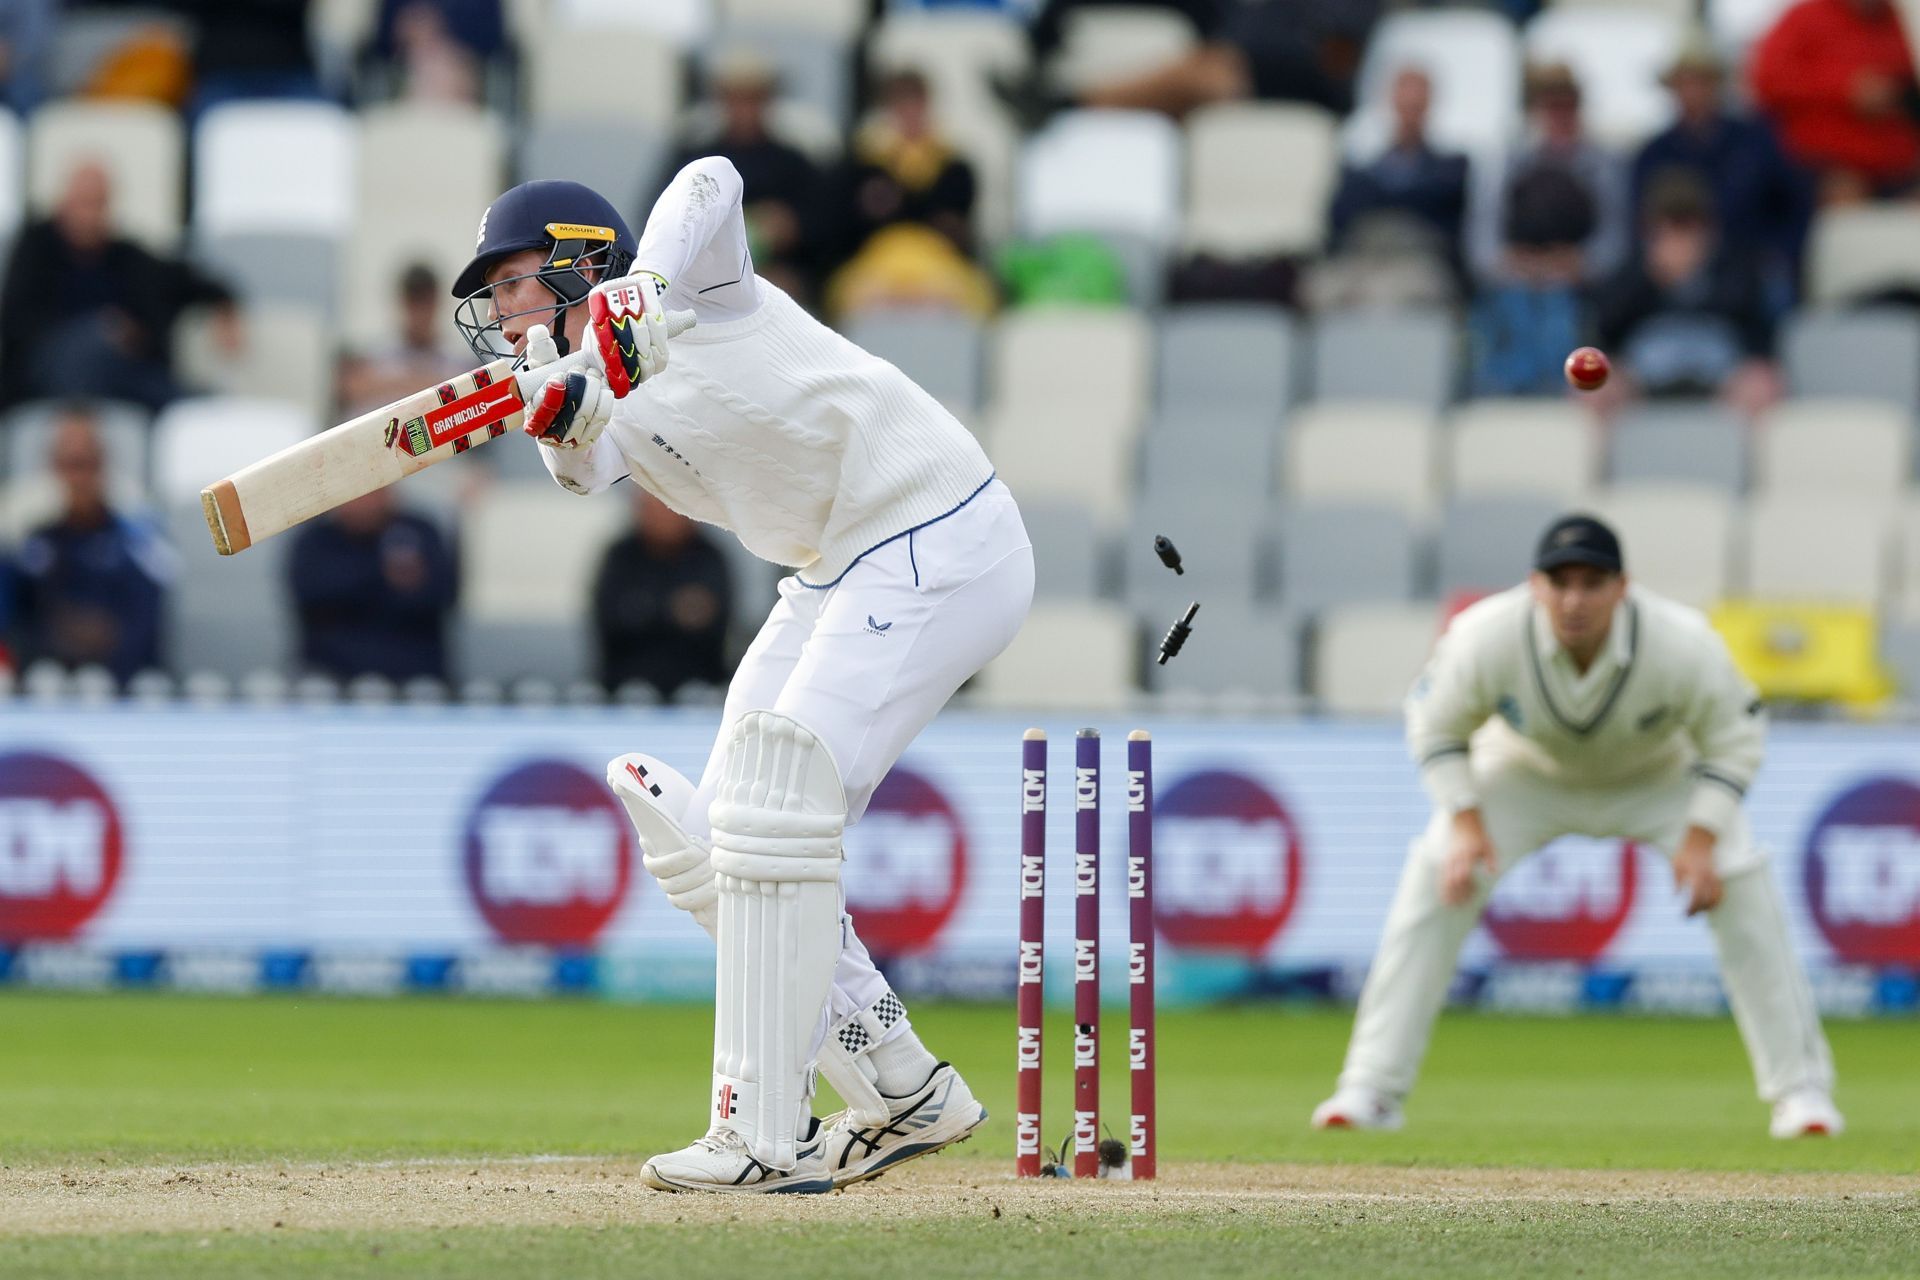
1523 810
867 663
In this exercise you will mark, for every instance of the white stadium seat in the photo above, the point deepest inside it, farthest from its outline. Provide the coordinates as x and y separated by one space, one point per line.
1062 454
1362 451
140 145
1259 177
565 65
684 23
1861 249
1859 447
1367 656
1089 362
1618 53
276 168
1737 24
1542 446
288 356
1906 600
508 574
1677 539
1103 42
842 18
1078 654
1102 171
13 190
205 438
1473 60
1818 548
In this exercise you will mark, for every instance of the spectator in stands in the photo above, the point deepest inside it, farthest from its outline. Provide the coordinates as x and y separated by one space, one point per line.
1762 199
661 601
90 584
84 311
1836 76
26 29
1411 182
905 207
418 358
374 588
477 26
783 186
1689 316
251 49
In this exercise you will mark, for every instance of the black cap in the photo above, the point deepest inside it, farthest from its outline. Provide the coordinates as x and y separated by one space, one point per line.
1578 539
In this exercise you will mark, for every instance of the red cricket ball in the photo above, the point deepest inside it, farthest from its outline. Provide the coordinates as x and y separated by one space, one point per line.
1587 369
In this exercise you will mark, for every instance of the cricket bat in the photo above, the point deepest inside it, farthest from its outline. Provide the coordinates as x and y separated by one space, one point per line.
377 449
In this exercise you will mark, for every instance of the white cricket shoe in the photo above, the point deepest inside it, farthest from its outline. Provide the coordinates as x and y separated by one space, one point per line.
1356 1107
720 1162
1804 1113
940 1113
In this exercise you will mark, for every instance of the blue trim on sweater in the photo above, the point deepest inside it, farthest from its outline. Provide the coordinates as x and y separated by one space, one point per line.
904 533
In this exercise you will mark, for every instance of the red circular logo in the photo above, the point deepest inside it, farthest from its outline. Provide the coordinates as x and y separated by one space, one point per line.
60 847
549 855
1227 863
1862 873
911 852
1565 902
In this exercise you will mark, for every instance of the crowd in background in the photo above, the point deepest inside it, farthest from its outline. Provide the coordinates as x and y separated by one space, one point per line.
1679 258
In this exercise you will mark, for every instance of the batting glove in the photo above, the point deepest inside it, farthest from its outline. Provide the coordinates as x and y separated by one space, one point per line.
569 410
627 330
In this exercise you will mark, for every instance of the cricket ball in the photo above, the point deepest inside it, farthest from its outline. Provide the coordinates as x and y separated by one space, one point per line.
1587 369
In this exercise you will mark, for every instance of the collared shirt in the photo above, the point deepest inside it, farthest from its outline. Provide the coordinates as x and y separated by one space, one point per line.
1662 695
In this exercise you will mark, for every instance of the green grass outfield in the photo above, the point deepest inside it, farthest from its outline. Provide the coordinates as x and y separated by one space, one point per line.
147 1089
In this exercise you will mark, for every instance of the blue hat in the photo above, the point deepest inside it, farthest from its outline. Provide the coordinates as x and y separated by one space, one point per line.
568 218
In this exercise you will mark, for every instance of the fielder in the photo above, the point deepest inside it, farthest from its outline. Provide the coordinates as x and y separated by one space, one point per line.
1577 704
913 570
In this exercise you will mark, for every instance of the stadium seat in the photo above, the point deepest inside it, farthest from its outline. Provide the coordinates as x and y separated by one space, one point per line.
1236 650
842 18
564 57
1102 42
1240 209
1545 447
1386 354
1737 24
1056 452
288 356
560 651
1220 556
507 576
1215 459
940 350
1486 543
1473 59
1855 447
622 163
1087 362
299 270
1900 655
1365 657
1102 171
1677 539
1806 652
139 143
1226 358
226 614
1680 443
1326 554
199 440
1906 532
1080 655
685 24
1858 250
1067 556
439 168
1362 451
13 188
1873 353
1619 53
275 168
1822 548
815 66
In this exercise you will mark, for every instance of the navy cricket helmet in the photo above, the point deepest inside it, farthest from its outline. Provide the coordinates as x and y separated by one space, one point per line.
576 225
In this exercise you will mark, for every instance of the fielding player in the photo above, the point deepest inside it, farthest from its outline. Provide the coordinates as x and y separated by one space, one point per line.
913 570
1577 704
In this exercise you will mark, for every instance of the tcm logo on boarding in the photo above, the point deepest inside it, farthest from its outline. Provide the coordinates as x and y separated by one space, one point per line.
548 855
1227 863
1862 873
911 849
60 847
1566 902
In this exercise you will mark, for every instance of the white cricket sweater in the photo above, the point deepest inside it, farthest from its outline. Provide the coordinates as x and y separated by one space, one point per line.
1663 695
766 422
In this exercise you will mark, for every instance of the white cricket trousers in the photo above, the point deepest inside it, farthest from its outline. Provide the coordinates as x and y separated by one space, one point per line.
1523 810
867 663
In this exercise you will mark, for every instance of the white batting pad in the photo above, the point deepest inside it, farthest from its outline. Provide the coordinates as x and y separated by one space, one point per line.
656 797
777 818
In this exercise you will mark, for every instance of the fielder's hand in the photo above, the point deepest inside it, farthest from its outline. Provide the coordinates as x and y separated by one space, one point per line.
569 410
1468 852
1693 871
627 330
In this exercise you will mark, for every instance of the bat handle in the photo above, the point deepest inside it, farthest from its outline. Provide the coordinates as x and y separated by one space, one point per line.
678 322
529 380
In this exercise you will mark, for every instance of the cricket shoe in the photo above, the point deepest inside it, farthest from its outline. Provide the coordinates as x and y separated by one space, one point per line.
721 1162
941 1112
1805 1113
1355 1107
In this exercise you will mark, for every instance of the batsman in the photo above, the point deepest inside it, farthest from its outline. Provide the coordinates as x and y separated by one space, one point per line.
912 569
1579 705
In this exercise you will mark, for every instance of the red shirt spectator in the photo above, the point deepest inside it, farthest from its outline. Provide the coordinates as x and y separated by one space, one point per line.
1836 76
